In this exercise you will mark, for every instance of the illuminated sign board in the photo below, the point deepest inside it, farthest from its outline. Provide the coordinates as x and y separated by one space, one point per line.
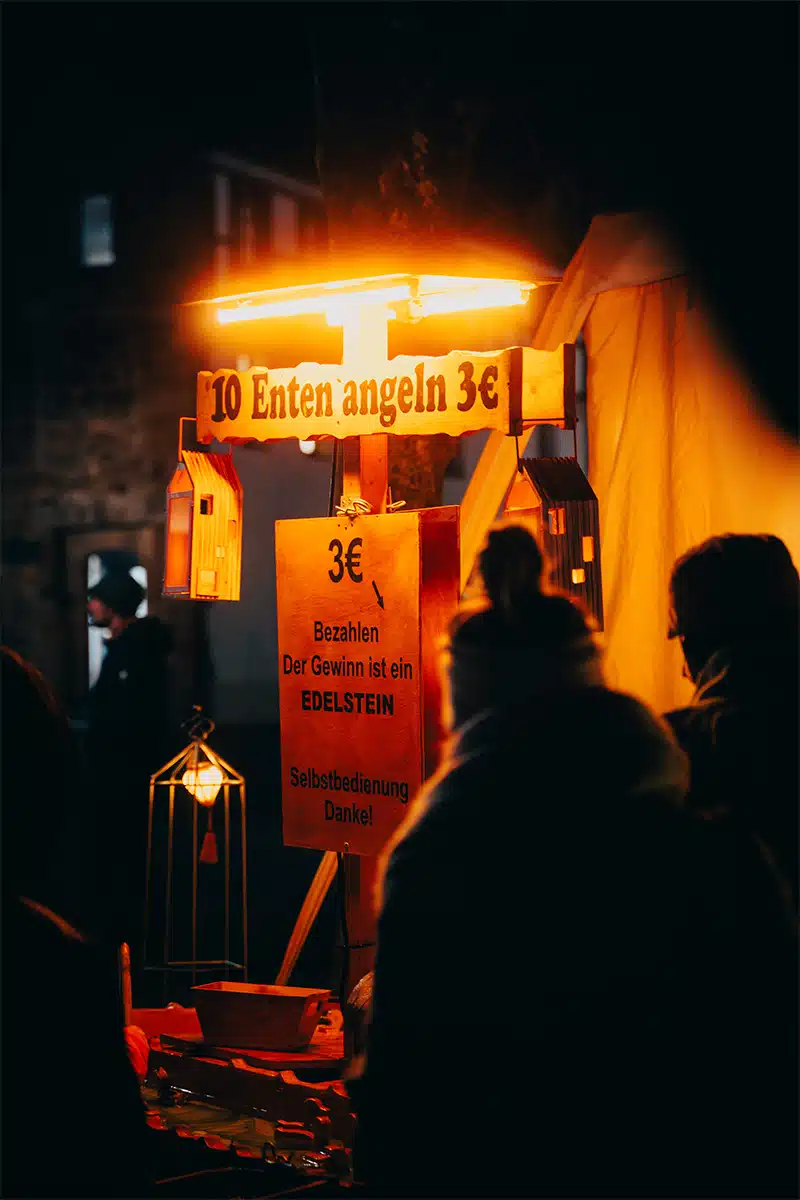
360 605
458 393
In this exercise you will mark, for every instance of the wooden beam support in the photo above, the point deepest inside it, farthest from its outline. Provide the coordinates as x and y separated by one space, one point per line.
318 890
374 470
351 467
490 484
365 474
373 481
361 918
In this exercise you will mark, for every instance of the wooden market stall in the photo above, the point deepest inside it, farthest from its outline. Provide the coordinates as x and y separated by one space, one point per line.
678 451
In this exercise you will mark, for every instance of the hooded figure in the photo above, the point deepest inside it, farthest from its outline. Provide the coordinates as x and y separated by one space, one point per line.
571 969
734 603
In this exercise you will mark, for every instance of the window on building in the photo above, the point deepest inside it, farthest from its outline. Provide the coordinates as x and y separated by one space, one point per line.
247 236
97 232
285 224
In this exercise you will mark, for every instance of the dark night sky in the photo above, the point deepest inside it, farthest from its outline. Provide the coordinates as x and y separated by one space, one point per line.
602 90
687 107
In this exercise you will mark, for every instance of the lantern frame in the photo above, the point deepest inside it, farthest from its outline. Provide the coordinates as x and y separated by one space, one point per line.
170 777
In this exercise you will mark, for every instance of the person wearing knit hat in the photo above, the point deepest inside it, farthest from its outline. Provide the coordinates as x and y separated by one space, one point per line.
561 969
735 606
128 706
114 600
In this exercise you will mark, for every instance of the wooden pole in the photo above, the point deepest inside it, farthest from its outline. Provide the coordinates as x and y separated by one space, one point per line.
374 470
490 484
125 978
316 894
365 474
351 468
360 877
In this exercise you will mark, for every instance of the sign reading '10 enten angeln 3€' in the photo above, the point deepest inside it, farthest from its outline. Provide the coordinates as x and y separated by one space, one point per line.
458 393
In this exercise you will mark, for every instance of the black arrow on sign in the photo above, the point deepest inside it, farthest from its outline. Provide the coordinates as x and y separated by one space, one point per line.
377 593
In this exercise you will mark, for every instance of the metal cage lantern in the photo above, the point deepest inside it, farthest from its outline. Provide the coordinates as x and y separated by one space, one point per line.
191 782
557 497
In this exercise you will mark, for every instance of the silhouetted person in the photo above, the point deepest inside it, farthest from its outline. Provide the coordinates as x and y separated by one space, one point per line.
735 609
73 1120
580 988
128 708
129 736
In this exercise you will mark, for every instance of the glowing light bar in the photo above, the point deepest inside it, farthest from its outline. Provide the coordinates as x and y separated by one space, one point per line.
336 309
502 295
460 283
340 302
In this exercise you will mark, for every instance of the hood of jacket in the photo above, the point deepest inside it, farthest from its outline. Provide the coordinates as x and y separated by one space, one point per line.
589 738
590 755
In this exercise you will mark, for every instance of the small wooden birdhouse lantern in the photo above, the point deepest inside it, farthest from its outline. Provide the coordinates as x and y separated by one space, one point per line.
204 528
556 495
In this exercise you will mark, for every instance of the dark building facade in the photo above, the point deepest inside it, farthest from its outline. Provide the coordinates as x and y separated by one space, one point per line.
98 367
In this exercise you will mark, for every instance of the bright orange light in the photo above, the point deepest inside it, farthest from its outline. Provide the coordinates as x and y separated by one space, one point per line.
340 301
203 782
335 310
458 283
339 312
355 287
492 295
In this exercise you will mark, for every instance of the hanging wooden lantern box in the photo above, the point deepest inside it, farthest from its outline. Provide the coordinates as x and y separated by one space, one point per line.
557 497
204 528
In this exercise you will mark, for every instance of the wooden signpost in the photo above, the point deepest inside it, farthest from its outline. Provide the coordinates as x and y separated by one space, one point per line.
365 597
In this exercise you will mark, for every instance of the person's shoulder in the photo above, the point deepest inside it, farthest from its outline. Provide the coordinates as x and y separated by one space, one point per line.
44 946
441 813
633 749
148 635
39 916
623 716
627 712
695 720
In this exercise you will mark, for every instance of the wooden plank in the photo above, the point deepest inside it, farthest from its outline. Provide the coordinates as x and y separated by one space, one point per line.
237 1085
460 392
350 677
315 897
374 470
362 924
351 468
490 484
439 597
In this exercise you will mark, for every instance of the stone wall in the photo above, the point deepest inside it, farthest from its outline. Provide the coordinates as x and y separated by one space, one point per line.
92 432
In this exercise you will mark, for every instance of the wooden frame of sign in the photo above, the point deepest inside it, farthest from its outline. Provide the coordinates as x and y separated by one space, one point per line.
359 667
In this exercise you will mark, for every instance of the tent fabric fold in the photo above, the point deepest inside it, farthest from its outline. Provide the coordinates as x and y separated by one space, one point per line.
679 449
